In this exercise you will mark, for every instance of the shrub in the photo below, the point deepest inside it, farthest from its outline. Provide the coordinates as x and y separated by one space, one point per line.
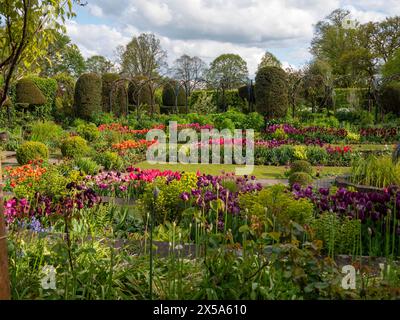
107 80
64 104
301 166
32 150
172 92
271 92
88 96
27 92
109 160
302 178
87 165
88 131
49 88
390 98
47 132
317 155
204 104
254 121
74 147
231 99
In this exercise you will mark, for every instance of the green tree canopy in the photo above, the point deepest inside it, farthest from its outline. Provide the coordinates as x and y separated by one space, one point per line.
228 71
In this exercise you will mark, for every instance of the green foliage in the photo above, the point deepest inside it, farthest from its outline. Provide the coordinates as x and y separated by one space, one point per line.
301 166
64 101
88 96
353 98
47 132
173 92
168 205
302 178
339 234
317 155
108 82
204 104
87 165
390 98
27 92
231 99
254 121
392 66
275 202
375 171
32 150
109 160
271 92
88 131
74 147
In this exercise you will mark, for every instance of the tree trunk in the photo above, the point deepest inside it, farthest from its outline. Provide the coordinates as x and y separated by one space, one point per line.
4 277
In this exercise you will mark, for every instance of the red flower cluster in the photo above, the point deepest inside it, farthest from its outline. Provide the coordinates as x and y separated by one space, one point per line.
338 149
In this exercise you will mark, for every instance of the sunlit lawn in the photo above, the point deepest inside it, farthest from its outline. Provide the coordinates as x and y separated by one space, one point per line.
261 172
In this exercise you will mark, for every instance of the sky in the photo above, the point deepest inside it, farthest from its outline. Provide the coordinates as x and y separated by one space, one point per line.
208 28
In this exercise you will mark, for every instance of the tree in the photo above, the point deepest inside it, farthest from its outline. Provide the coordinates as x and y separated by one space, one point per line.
392 66
344 48
27 28
142 56
385 37
189 70
228 71
99 64
269 60
63 57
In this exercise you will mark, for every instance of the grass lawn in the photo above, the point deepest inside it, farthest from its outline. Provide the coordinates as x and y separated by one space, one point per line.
261 172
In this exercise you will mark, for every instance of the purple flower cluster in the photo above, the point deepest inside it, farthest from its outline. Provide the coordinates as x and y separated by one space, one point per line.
210 188
356 205
42 205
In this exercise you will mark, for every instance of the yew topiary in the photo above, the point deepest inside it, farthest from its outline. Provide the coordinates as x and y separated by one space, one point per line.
271 92
88 96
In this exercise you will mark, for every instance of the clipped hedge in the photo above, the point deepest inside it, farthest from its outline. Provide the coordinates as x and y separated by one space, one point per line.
108 80
271 92
173 92
32 150
88 98
302 178
27 92
232 99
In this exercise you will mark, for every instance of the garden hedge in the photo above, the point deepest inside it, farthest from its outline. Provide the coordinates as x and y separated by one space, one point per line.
27 92
173 92
247 93
64 101
88 97
108 80
271 92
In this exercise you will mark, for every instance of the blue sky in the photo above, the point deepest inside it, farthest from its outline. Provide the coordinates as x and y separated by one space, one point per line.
207 28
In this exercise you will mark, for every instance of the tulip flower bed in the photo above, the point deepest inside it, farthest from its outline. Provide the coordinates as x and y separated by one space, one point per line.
237 222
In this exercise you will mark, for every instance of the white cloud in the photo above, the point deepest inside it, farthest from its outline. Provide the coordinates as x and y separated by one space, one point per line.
95 10
95 39
207 28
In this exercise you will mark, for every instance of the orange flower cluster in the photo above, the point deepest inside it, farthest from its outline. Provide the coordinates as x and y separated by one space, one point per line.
29 172
131 144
